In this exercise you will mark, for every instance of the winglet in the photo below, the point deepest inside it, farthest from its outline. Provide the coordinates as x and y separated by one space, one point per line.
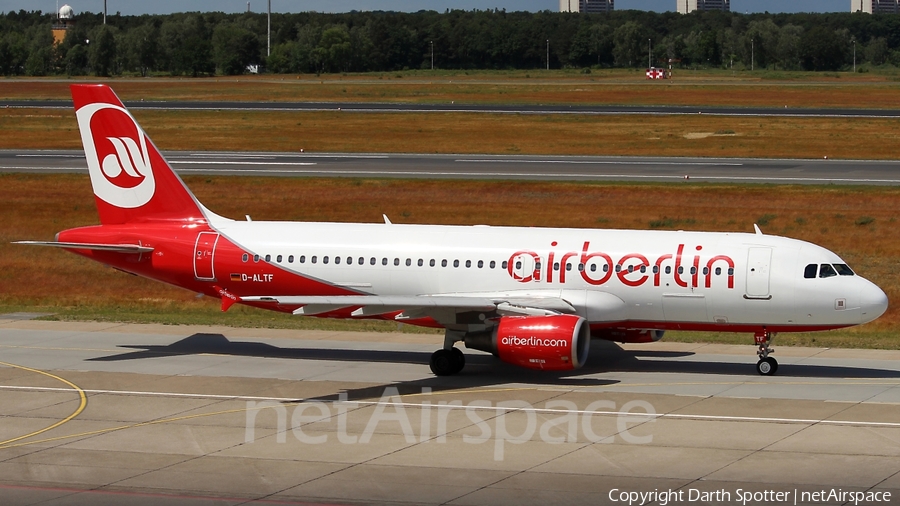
387 221
228 298
756 228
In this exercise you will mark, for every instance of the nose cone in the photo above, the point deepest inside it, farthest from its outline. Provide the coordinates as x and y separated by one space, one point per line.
873 302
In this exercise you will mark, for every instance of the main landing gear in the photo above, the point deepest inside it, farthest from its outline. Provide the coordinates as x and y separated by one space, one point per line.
767 366
447 362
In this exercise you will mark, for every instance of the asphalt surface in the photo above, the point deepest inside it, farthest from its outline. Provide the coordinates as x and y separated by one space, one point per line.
106 413
479 108
554 168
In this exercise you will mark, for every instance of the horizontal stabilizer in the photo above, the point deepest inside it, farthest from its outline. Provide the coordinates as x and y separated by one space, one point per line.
392 301
120 248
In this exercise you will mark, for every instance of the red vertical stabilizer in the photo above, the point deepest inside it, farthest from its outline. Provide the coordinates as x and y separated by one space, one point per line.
131 180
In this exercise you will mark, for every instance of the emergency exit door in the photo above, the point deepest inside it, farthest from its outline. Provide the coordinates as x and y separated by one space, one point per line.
204 254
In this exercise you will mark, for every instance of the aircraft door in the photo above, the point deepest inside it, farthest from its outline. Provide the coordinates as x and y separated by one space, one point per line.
204 253
758 268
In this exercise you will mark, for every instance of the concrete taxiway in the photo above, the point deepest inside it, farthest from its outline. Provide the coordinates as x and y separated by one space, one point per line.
108 413
525 167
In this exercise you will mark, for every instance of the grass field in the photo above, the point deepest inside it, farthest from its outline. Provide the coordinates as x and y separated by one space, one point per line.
619 87
691 135
858 223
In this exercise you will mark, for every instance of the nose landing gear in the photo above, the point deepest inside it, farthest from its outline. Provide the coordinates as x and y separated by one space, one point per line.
767 366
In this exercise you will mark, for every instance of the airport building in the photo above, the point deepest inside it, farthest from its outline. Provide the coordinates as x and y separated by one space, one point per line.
875 6
65 19
685 6
588 6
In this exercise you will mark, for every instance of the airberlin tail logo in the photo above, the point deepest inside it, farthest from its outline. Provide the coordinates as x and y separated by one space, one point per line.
117 155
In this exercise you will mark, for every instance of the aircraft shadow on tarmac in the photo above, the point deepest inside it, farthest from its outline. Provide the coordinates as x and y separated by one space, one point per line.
604 357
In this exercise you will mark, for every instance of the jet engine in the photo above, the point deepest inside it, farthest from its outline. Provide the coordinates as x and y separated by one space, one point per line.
549 343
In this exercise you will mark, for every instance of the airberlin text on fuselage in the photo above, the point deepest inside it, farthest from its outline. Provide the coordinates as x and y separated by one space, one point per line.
632 269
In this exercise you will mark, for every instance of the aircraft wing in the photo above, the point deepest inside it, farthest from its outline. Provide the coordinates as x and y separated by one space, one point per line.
442 308
120 248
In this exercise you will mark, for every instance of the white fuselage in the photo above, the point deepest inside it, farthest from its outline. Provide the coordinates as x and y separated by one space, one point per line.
700 279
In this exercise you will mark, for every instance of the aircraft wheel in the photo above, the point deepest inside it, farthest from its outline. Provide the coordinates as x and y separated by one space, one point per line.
444 363
459 359
767 366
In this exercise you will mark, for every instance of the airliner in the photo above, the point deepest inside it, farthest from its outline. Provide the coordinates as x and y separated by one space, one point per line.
533 297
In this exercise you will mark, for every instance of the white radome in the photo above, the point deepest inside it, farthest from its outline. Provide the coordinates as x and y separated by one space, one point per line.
66 12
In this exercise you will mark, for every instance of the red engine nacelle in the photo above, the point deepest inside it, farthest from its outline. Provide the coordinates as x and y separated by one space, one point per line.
629 335
549 343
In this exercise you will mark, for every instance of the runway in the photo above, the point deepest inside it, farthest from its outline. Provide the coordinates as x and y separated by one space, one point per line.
496 167
364 107
148 414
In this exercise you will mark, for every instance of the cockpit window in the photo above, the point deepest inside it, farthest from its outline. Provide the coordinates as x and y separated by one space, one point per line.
826 271
810 271
843 269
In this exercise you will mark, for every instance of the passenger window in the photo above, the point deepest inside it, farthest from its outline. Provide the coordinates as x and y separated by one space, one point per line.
396 261
826 271
444 263
256 258
843 269
431 263
313 259
245 257
493 264
302 259
384 261
643 269
350 261
555 266
481 264
593 267
605 267
518 265
278 259
362 261
693 270
504 264
408 262
680 270
325 259
668 269
337 260
468 264
372 261
618 268
810 271
655 269
456 263
290 259
718 271
731 271
568 267
268 258
421 262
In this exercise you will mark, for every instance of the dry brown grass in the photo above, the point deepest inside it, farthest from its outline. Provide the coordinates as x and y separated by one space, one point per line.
857 223
479 133
615 87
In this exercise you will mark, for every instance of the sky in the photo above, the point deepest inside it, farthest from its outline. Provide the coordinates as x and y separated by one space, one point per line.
132 7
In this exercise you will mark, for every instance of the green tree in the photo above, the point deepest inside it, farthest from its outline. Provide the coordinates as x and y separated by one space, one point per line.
877 51
335 49
102 50
234 48
822 50
76 61
631 45
787 52
142 48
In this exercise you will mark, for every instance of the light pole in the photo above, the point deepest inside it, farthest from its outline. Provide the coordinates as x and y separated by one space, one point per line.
752 57
854 55
548 54
269 30
649 54
104 12
432 55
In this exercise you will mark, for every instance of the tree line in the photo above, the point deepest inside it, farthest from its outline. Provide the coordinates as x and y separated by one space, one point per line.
197 44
